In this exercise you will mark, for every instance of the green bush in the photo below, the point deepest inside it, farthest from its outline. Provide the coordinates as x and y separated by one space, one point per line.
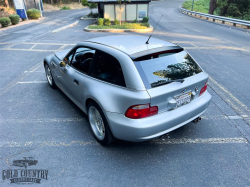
107 21
14 18
145 24
116 22
65 8
4 21
135 21
145 19
85 3
33 13
93 15
100 21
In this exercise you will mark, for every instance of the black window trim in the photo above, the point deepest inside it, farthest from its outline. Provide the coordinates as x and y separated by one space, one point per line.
74 51
78 46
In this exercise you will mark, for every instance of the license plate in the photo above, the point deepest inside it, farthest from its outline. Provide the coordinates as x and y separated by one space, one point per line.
183 99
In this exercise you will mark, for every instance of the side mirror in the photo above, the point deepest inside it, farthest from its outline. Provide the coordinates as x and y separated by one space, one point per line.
62 64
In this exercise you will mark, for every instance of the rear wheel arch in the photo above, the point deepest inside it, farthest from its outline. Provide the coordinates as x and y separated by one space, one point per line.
109 137
89 100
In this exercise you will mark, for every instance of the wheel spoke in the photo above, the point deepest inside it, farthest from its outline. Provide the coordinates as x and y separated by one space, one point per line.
96 123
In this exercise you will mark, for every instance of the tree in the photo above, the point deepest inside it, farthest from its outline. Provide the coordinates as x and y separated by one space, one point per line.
212 6
6 3
85 3
122 4
234 8
90 5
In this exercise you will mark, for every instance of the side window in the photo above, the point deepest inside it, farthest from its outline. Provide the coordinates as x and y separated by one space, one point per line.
107 68
81 59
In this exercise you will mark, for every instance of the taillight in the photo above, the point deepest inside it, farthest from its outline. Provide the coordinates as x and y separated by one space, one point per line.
141 111
203 89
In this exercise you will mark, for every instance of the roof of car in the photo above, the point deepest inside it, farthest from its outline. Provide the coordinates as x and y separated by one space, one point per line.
132 44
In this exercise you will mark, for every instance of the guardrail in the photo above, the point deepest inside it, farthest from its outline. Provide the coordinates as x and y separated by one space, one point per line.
223 19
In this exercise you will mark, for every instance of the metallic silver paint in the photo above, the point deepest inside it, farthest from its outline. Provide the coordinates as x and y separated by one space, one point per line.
138 130
115 100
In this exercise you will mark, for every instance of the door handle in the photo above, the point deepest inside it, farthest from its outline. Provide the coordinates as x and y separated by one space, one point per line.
76 82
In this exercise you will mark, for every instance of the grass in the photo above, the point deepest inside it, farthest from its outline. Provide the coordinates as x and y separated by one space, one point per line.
123 26
199 6
65 8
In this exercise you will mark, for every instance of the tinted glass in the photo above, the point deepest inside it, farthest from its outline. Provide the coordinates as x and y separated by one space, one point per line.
166 67
106 67
81 59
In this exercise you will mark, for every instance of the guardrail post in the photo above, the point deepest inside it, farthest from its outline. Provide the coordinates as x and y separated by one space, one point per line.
223 22
213 20
234 24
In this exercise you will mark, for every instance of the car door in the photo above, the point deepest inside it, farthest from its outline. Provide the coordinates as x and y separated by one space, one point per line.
73 74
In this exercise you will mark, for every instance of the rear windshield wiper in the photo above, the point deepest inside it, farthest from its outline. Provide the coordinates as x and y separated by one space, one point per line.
162 82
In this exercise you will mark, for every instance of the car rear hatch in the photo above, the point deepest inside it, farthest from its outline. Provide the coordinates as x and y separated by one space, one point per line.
172 79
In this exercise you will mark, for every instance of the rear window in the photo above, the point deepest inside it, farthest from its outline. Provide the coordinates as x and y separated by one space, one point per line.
166 67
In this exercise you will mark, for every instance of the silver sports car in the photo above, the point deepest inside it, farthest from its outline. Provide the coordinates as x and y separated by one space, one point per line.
129 89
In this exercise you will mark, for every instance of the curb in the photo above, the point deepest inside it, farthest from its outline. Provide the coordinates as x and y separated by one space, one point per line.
65 27
21 23
82 18
119 30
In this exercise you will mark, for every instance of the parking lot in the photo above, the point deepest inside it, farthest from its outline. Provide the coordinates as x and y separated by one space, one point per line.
37 121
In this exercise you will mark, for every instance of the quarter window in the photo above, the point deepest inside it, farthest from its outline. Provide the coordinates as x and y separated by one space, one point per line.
107 68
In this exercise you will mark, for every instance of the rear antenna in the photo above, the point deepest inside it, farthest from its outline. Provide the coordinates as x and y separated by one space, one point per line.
153 30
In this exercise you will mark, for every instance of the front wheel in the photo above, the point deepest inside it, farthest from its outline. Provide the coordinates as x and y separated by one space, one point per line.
99 124
49 76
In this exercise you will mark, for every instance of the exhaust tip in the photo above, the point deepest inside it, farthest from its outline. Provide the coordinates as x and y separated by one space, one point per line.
196 120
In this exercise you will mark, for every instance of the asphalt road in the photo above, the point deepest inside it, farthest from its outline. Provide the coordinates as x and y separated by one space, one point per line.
42 123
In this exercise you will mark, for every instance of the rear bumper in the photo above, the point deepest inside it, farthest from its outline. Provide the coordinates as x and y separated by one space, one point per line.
137 130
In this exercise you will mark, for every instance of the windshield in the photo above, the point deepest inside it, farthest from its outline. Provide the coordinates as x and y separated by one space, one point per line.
166 67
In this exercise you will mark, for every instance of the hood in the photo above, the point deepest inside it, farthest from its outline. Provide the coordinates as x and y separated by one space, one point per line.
62 54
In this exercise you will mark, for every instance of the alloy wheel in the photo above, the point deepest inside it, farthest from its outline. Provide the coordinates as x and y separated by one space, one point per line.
96 122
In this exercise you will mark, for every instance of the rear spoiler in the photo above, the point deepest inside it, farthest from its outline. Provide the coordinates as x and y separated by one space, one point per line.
147 54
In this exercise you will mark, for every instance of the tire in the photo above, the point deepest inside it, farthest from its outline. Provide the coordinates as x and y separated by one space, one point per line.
49 76
99 125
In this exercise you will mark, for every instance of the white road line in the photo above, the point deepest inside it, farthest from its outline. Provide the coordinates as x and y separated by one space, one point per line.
61 48
230 95
33 46
221 47
51 120
32 82
170 141
34 72
45 120
36 50
38 43
65 27
201 140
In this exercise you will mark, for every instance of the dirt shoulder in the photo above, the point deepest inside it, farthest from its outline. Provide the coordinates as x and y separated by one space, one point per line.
48 7
5 12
